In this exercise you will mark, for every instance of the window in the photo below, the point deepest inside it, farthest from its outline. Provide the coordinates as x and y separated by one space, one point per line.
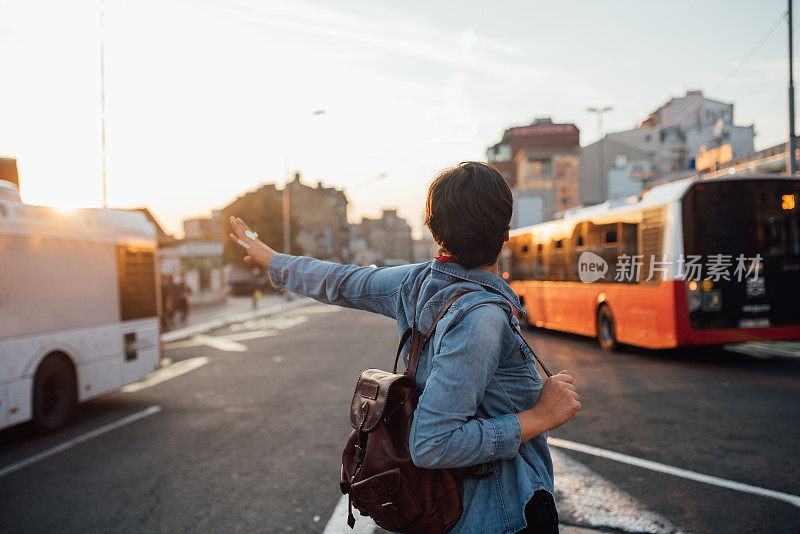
620 161
610 235
538 167
501 152
137 283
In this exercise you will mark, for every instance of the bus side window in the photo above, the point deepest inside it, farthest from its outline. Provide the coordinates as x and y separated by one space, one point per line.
602 240
628 244
538 263
574 252
556 267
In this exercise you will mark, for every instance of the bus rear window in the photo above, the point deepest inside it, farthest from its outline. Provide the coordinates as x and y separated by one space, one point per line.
137 283
743 217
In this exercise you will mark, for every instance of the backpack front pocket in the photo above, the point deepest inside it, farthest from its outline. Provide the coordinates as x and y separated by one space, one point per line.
388 497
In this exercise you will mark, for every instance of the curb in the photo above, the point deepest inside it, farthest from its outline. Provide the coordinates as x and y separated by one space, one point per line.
202 328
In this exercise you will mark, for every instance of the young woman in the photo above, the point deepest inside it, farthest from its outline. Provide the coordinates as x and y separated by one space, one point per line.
482 401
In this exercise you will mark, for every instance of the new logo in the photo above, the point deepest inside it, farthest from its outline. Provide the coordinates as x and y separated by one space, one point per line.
591 267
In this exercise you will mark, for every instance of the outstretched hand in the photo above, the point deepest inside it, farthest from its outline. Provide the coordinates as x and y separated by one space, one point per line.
257 252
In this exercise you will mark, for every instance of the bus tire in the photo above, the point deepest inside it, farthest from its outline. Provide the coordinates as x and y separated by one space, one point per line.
54 394
606 329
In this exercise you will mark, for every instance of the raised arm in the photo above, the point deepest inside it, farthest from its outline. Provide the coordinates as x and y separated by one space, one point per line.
365 288
374 289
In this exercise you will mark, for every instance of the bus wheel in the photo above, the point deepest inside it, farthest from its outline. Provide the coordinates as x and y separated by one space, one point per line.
606 331
54 394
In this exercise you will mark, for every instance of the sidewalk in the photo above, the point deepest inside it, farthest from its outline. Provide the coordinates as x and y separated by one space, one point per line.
236 309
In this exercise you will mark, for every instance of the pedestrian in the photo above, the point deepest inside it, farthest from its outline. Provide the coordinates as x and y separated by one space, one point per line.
255 286
183 292
166 302
481 403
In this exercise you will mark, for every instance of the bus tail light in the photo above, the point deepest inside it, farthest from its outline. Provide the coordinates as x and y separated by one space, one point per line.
694 298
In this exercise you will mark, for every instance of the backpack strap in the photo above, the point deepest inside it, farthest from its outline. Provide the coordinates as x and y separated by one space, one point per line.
413 326
541 363
418 340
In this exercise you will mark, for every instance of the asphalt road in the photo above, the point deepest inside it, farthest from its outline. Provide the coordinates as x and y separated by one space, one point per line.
249 439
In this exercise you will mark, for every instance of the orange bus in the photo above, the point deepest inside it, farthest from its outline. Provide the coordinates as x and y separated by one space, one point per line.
692 262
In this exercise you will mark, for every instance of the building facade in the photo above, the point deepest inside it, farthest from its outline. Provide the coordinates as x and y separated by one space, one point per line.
541 163
319 213
382 241
665 145
200 264
204 228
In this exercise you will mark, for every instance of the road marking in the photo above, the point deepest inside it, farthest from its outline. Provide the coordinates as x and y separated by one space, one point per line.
585 498
337 524
675 471
279 323
227 343
255 334
166 373
77 440
766 349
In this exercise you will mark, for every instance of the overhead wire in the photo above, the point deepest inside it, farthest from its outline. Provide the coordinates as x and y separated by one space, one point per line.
752 52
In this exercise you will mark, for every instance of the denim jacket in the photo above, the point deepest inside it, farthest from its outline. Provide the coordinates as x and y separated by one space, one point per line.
475 373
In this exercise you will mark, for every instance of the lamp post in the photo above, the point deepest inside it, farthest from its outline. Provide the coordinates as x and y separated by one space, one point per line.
792 167
600 147
103 96
287 201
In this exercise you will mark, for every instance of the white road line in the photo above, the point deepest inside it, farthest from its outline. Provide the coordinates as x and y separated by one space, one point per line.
337 524
166 373
585 498
77 440
675 471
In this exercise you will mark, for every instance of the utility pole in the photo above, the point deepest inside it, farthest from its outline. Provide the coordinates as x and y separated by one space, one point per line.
103 96
792 161
287 206
600 162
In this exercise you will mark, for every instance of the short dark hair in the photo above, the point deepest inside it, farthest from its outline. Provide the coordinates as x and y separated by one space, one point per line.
468 211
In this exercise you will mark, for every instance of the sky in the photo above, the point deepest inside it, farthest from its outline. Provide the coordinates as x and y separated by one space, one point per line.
207 99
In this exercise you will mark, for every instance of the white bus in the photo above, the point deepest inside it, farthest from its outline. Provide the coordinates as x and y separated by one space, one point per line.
79 307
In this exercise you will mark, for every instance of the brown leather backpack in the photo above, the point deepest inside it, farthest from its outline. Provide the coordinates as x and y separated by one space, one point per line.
377 472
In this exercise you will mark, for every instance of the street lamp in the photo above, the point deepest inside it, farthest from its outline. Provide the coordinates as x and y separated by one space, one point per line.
103 97
600 162
792 166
